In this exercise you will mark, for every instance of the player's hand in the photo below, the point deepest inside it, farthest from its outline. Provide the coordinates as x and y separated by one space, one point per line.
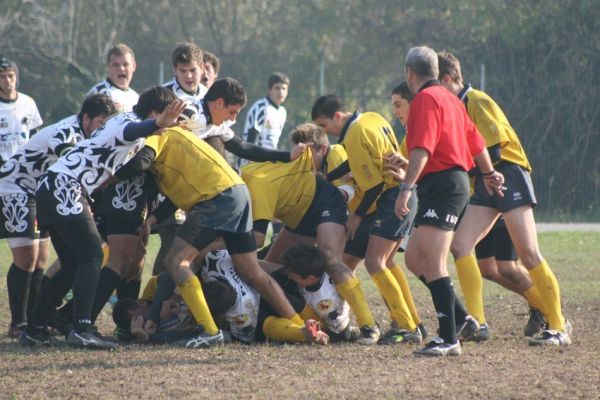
137 329
169 309
147 228
348 178
352 225
494 183
298 150
168 117
149 326
395 165
401 206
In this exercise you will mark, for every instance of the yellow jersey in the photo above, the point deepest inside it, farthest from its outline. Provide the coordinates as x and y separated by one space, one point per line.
367 140
495 128
281 190
187 169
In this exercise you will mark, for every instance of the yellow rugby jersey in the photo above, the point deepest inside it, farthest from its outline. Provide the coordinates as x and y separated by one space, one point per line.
187 169
495 128
369 138
281 190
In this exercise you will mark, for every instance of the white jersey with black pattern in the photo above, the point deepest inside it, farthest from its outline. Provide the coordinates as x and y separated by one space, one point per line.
17 119
267 120
124 99
176 88
331 308
19 174
95 160
243 315
198 120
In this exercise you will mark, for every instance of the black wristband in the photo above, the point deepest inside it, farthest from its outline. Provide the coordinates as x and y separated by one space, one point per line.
492 172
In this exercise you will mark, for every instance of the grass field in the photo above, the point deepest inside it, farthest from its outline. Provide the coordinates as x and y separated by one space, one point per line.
503 368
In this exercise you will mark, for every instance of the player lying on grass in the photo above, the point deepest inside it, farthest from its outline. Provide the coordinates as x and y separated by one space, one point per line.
235 306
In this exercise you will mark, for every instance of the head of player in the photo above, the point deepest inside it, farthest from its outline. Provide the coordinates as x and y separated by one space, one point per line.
212 67
313 134
450 75
305 263
225 99
96 109
401 98
120 64
330 114
278 88
421 66
188 66
9 79
153 101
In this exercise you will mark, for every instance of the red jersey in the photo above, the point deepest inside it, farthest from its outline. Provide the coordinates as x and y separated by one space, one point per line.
439 123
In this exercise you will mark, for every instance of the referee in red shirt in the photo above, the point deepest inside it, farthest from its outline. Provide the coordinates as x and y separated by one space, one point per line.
442 143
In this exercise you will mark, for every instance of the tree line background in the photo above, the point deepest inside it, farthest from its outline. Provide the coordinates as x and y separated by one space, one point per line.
540 56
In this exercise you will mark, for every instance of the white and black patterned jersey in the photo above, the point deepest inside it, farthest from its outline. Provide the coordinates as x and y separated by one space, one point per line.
94 160
19 174
17 119
195 98
123 99
243 315
267 120
325 300
198 120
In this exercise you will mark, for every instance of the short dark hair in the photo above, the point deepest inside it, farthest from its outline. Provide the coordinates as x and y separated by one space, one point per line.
309 133
186 53
228 89
155 98
7 64
208 57
120 313
449 65
326 106
119 49
305 260
97 104
403 91
278 77
220 296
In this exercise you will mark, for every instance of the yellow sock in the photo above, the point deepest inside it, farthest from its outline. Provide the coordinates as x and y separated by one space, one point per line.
535 299
392 294
309 313
544 280
396 270
352 292
472 286
283 330
297 319
105 254
192 294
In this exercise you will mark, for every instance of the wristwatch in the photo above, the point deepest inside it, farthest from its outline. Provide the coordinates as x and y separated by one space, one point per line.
405 187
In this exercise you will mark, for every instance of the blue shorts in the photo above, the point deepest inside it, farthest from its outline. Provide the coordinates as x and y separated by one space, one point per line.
519 189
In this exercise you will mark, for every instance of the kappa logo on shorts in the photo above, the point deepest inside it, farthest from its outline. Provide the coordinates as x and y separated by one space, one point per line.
326 213
517 196
377 223
430 214
451 219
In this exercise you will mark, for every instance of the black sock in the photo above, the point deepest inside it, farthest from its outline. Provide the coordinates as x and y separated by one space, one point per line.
129 289
45 279
107 283
17 283
444 298
34 288
460 313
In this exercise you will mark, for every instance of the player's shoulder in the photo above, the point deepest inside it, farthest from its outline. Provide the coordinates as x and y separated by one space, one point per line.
25 100
100 87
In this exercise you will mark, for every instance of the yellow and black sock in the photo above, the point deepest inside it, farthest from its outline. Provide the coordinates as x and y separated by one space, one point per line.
283 330
471 283
352 292
392 294
400 277
192 294
544 280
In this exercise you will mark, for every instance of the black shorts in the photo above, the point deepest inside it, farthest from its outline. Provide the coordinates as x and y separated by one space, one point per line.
358 246
442 198
227 215
328 205
18 218
124 205
387 224
497 243
519 189
60 198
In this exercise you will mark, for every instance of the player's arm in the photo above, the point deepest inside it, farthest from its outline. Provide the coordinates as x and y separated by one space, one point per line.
339 171
168 118
260 231
139 164
252 152
483 113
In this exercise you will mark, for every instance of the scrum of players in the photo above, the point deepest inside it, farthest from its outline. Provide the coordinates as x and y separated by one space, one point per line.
96 185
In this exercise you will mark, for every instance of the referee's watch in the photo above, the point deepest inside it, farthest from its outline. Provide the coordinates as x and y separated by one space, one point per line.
405 187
